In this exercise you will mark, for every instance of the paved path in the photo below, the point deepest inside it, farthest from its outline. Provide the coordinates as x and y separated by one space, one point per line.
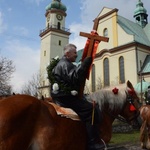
128 146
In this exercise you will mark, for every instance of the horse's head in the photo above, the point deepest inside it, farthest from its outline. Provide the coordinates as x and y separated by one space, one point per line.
131 107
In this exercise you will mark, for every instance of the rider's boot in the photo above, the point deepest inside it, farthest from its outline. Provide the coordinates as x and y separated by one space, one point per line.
94 142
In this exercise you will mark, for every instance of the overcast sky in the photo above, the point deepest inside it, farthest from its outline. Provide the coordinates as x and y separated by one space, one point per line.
22 20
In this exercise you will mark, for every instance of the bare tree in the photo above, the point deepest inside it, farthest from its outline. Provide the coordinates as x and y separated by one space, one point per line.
31 88
6 70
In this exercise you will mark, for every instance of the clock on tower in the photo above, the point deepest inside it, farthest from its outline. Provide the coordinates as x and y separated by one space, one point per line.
59 16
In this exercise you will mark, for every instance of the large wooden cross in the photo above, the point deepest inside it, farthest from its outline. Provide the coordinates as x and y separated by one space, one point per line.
92 38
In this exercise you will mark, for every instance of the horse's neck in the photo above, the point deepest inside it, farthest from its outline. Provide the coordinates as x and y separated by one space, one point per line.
108 101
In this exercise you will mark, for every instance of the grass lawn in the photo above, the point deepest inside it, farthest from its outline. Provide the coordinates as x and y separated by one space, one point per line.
121 138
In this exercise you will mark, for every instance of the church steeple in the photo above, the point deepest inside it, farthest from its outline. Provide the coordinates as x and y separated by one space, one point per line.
56 4
140 14
53 39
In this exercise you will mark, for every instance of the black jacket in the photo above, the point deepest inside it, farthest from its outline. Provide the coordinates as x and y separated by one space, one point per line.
68 76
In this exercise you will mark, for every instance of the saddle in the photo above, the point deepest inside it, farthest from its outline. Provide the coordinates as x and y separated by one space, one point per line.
65 112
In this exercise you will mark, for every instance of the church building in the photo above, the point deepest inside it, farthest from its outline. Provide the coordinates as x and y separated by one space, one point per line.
127 54
125 57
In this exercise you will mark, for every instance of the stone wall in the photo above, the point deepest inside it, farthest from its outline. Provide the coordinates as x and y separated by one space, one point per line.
120 127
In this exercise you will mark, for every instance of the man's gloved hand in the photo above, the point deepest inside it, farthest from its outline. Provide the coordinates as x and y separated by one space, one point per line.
86 62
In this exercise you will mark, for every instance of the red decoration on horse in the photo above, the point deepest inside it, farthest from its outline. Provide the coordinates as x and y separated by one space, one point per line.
115 90
132 108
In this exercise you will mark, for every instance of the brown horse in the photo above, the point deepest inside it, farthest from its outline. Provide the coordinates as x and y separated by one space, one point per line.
27 123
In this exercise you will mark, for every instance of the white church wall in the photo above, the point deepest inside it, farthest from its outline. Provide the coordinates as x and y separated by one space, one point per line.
123 37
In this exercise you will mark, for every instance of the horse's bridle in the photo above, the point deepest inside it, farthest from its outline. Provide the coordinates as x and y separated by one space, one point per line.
130 100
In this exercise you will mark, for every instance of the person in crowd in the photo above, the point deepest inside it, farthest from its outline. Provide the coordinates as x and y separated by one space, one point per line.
147 96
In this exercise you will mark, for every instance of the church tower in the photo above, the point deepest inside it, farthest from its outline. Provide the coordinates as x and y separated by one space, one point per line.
140 14
53 38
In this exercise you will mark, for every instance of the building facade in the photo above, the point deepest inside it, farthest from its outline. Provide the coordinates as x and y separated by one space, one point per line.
127 54
125 57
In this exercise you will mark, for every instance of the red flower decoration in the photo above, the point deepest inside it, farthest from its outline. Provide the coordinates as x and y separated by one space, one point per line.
115 90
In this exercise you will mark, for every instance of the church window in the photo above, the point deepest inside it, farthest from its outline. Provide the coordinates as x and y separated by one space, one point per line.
93 78
59 42
121 70
58 25
48 25
44 53
105 32
106 72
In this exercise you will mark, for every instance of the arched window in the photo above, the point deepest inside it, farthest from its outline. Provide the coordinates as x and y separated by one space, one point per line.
121 70
58 25
105 32
59 42
106 72
44 53
93 78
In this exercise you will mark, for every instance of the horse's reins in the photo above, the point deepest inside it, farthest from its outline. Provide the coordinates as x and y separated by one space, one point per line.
120 118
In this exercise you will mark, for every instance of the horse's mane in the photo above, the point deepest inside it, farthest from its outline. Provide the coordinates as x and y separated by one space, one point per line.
106 96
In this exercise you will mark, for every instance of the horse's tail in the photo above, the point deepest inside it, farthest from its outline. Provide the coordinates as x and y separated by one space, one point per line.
143 132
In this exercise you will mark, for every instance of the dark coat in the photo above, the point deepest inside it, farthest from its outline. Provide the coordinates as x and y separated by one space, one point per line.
68 76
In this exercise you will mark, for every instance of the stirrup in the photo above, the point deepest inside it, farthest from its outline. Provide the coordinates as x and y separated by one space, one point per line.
93 145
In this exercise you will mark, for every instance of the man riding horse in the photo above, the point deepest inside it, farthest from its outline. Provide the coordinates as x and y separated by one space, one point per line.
65 92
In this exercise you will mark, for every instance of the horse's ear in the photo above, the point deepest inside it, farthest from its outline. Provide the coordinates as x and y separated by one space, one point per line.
129 85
